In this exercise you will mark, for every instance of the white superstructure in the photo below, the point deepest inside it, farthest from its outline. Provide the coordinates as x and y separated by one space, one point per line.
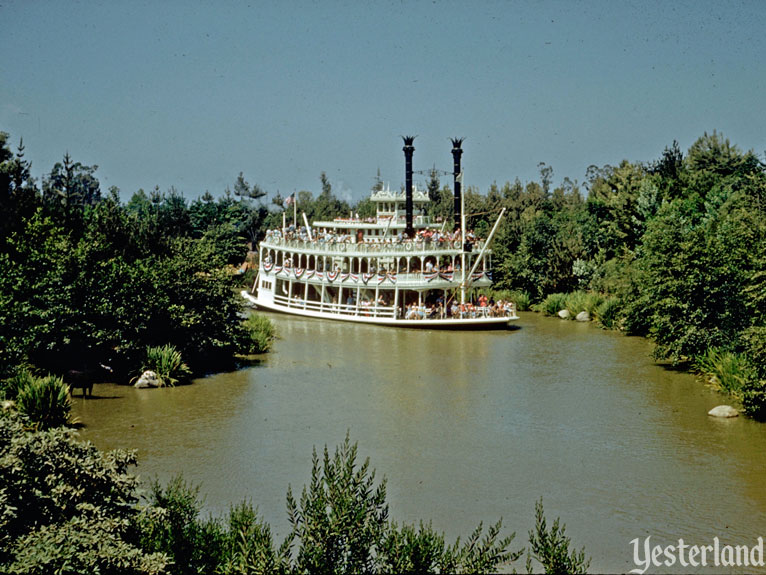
370 270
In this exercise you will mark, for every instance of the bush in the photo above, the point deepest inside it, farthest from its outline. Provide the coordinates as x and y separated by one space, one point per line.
552 304
259 334
44 400
522 300
342 525
724 370
170 526
550 548
66 507
754 398
579 301
608 311
167 363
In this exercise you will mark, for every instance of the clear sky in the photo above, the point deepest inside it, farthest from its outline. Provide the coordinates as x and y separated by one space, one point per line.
190 93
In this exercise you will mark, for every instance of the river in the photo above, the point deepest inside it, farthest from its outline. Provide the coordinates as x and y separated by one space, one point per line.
466 427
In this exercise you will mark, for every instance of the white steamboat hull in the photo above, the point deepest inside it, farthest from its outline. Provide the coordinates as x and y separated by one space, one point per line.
466 323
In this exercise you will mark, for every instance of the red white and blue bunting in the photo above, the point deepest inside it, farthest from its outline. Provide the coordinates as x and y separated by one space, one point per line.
267 266
299 272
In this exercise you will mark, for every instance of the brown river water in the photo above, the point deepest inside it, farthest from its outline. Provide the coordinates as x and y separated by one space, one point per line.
466 427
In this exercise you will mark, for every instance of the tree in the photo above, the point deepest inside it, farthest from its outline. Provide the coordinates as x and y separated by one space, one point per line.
19 196
69 189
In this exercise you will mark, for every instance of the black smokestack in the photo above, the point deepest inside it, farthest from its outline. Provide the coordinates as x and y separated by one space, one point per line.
456 170
409 149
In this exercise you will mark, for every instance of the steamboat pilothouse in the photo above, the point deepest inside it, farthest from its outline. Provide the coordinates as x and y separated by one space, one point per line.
396 269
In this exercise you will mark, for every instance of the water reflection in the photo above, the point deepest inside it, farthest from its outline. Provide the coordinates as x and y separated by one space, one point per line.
466 427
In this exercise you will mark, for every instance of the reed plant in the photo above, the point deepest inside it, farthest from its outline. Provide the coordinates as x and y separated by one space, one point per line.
608 311
259 333
166 361
522 300
45 400
724 370
552 304
578 301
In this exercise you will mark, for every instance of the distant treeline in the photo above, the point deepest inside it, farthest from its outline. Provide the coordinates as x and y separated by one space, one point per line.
676 245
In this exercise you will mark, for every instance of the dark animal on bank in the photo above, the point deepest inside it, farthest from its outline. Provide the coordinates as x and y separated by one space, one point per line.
85 378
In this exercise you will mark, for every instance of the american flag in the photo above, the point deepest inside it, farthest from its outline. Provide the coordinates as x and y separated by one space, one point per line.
289 200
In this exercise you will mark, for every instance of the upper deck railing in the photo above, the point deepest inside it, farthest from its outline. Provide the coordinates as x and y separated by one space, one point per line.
371 247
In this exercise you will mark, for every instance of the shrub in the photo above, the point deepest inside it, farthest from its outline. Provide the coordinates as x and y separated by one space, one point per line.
66 507
342 525
754 398
259 334
579 301
607 312
550 547
167 363
170 525
552 304
522 300
44 400
724 370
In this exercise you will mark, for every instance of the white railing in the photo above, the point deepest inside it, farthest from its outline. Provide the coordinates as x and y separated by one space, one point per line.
369 247
329 307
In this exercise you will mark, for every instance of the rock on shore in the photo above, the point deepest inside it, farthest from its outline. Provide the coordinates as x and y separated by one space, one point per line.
723 411
148 379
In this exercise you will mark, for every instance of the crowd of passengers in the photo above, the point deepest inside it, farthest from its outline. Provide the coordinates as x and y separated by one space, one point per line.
323 235
483 307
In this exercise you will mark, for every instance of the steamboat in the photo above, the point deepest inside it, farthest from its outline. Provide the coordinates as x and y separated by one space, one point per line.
395 269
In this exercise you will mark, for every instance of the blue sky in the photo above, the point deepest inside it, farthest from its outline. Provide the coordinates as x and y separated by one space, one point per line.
189 94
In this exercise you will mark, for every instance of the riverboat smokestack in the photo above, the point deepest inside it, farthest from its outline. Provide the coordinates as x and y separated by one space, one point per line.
409 149
457 152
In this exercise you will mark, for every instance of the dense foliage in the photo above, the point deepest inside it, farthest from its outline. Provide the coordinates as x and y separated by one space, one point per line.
86 280
66 507
673 249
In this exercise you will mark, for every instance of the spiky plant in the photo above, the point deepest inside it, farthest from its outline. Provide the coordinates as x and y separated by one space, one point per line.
166 361
259 334
45 400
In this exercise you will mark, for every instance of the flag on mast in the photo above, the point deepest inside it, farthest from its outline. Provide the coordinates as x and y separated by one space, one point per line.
289 200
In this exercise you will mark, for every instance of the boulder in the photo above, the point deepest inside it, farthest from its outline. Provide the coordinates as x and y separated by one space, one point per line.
564 314
723 411
583 316
148 379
